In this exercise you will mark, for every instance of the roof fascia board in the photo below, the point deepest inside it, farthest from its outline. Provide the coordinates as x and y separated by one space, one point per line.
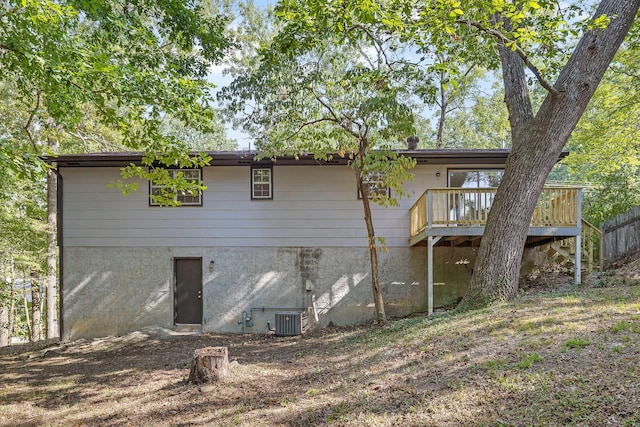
247 158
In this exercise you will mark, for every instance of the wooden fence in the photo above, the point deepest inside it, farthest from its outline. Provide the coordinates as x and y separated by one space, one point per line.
621 236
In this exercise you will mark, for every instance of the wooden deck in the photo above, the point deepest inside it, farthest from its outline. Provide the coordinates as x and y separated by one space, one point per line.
457 216
464 211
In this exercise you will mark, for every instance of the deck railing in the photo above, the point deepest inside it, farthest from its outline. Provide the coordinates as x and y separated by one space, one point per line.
469 207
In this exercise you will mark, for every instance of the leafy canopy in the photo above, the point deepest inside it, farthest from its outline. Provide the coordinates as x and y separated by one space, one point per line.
134 64
605 147
319 90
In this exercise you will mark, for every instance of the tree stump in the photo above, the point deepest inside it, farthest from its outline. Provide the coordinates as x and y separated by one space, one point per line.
209 364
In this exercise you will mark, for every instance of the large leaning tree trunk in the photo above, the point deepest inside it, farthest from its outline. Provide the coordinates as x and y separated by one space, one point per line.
537 143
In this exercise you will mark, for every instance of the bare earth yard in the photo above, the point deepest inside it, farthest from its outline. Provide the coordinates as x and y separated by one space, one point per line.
559 355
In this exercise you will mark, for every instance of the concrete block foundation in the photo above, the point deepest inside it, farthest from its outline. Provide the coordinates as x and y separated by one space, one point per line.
116 290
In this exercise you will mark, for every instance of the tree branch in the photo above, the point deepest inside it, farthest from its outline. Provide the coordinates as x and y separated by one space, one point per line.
10 11
471 67
325 104
335 118
311 123
521 53
27 125
377 43
366 58
10 49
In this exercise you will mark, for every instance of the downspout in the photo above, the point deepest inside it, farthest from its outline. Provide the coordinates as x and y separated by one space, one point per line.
60 239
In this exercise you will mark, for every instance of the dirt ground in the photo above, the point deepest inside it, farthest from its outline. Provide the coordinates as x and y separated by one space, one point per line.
140 379
629 269
548 359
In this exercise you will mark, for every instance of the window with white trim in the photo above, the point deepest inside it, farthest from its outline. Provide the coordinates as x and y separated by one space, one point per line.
261 183
375 181
184 197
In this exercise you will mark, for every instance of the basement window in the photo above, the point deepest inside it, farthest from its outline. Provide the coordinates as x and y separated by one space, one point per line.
261 183
185 198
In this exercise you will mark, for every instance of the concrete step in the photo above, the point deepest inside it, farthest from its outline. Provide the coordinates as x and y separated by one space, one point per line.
188 328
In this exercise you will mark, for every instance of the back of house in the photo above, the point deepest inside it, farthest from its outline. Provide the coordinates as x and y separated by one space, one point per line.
268 245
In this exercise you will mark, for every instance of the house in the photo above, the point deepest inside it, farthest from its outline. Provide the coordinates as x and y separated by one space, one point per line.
272 238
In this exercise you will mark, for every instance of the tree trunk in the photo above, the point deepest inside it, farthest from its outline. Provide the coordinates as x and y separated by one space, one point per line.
373 250
25 300
4 320
537 144
209 364
5 331
4 307
52 258
36 310
10 278
443 113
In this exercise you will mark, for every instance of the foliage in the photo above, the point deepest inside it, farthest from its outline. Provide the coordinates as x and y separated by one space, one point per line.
605 147
196 140
23 240
255 27
131 64
484 124
313 90
22 223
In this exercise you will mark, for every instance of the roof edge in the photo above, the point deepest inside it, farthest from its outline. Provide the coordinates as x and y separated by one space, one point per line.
243 158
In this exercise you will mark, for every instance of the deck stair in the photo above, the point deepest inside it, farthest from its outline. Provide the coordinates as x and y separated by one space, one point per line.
563 251
559 252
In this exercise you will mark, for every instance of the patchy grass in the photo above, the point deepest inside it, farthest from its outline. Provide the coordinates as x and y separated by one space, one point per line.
577 343
527 360
556 357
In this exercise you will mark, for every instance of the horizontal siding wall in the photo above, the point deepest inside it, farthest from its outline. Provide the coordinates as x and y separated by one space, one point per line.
312 206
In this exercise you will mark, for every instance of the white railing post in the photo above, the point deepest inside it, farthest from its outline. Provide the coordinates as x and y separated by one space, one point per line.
429 208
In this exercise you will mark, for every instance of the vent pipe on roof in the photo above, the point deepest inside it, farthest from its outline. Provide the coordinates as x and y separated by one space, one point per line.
412 142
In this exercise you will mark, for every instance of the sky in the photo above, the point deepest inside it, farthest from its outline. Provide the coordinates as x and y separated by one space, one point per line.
216 77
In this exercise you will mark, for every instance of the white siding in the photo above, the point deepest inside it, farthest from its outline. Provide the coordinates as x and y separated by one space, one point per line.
311 206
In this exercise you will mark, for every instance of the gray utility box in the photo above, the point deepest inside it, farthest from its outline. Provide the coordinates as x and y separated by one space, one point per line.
289 323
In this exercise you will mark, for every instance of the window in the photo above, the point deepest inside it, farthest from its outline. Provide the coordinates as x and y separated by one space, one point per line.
474 203
377 187
185 198
479 178
261 183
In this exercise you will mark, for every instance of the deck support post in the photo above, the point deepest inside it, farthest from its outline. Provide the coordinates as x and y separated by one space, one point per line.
431 241
578 272
578 255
